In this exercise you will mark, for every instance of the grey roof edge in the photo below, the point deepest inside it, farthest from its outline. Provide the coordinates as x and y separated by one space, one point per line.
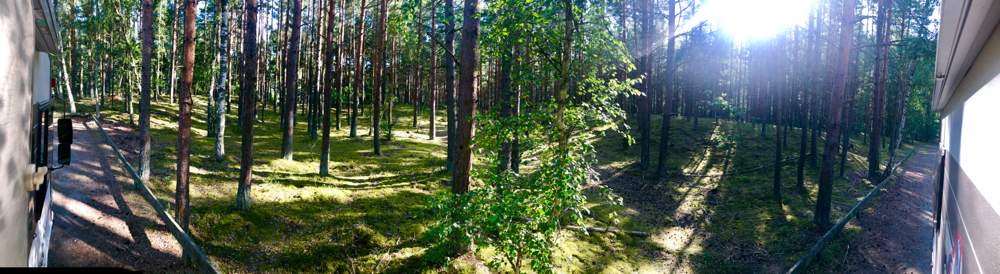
965 27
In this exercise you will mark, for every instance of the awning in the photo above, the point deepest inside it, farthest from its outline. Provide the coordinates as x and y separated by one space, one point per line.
46 27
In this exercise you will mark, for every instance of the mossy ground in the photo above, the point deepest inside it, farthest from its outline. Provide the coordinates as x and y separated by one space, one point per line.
365 217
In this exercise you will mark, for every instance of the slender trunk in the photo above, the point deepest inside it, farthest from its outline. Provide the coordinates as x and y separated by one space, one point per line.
661 165
645 101
432 132
377 86
222 88
147 48
359 70
902 124
878 95
468 97
777 127
173 50
248 99
340 57
824 199
291 82
449 85
506 100
804 109
69 90
416 92
816 84
184 121
324 158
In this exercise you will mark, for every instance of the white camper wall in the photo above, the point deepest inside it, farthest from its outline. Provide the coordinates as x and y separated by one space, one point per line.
17 50
970 122
41 79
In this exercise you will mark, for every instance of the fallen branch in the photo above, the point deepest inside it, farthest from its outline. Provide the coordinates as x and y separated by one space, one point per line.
607 230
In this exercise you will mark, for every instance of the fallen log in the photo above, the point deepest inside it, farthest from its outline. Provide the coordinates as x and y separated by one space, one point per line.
607 230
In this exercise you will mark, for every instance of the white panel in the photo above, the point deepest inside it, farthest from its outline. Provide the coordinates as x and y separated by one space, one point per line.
41 80
970 125
17 44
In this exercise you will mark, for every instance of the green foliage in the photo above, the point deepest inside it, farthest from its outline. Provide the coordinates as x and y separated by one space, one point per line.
519 214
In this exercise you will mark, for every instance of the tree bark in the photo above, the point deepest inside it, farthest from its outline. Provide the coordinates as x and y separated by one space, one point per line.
645 101
173 50
341 40
449 85
468 97
432 132
777 121
359 70
147 48
878 94
222 88
830 149
506 99
248 98
324 158
804 108
291 82
661 167
378 89
182 199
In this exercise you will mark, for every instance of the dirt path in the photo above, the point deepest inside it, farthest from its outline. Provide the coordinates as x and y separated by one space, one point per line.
99 221
897 232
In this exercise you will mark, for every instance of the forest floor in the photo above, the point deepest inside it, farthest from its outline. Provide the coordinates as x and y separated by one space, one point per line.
725 224
367 215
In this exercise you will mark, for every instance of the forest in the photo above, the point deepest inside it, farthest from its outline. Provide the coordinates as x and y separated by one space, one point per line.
520 136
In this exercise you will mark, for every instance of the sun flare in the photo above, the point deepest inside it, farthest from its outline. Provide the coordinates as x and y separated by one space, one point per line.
755 19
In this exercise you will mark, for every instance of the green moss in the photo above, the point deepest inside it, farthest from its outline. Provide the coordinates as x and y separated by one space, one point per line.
367 237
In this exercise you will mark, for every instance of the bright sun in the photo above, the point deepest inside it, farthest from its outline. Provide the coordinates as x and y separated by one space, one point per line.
750 19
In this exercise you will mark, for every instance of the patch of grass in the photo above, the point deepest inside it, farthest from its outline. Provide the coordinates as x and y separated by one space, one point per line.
364 217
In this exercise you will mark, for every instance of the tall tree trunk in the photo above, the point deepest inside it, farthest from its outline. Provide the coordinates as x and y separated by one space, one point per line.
222 88
182 200
359 70
248 98
340 56
902 122
147 48
416 92
378 89
173 50
69 89
432 132
324 158
830 149
878 94
468 97
814 119
646 101
804 117
506 101
449 85
777 121
661 167
291 82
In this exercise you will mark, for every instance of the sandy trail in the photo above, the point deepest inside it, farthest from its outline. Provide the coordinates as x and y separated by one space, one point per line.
99 221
